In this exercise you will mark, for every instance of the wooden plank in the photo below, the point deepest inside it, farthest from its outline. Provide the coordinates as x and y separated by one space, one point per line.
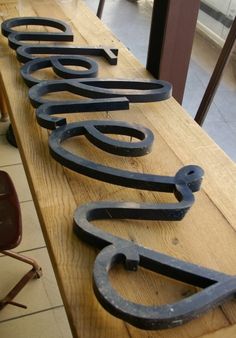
226 332
206 236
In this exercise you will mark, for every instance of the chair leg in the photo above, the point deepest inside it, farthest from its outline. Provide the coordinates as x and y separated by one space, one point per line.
35 272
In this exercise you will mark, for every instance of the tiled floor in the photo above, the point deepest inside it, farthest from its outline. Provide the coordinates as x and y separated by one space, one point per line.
45 315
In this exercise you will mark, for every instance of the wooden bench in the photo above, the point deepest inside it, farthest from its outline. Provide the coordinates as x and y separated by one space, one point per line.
206 236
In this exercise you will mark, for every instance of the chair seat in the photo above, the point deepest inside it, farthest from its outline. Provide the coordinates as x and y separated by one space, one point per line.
10 216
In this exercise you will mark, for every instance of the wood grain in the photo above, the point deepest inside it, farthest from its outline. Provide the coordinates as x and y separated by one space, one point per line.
206 236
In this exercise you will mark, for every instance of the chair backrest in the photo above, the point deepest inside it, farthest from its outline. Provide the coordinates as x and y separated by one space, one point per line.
10 215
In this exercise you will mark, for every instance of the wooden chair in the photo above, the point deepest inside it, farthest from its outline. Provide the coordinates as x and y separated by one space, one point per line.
11 234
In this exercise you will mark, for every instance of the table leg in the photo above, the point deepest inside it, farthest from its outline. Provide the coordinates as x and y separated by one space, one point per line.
216 75
170 43
3 107
100 8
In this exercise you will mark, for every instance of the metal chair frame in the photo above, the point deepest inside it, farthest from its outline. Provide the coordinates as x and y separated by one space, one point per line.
10 237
